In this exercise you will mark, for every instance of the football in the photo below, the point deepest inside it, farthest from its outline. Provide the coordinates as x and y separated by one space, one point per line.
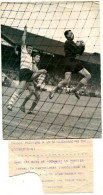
80 43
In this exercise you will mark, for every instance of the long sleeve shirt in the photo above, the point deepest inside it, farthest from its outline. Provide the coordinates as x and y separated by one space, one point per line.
26 59
71 49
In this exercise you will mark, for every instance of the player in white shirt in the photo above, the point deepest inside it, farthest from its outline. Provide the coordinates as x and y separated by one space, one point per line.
30 85
26 72
37 84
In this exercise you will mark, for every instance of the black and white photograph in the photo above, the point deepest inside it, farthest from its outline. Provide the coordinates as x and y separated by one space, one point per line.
51 70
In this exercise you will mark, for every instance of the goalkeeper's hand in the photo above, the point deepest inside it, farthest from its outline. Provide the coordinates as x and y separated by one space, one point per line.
80 43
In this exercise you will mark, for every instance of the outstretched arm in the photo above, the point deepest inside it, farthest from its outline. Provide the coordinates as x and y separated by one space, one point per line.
24 36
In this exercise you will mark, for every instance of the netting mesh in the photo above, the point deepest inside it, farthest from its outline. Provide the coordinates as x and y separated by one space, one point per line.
51 19
63 116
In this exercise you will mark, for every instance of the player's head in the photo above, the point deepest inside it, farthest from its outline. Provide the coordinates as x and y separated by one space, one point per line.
69 34
36 57
29 49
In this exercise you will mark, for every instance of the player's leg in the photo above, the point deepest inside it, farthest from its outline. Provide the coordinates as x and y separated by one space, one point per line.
61 84
35 75
25 75
41 79
8 82
16 95
31 89
84 81
22 107
35 102
30 86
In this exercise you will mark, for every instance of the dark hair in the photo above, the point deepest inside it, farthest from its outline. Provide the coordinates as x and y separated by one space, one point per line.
36 54
29 45
66 32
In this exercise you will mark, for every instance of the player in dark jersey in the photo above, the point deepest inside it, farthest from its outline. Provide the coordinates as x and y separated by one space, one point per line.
72 65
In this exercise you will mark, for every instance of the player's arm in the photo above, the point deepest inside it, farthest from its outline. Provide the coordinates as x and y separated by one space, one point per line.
81 50
24 36
71 46
38 71
74 48
80 47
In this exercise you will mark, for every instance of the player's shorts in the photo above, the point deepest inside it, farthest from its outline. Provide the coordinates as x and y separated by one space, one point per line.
25 74
72 65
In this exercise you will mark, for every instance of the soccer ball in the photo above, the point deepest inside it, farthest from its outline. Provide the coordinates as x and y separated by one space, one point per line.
80 43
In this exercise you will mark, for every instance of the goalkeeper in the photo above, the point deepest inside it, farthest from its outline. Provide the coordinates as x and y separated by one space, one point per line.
72 65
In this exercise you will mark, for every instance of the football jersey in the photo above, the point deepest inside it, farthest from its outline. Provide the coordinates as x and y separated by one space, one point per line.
26 59
71 49
34 67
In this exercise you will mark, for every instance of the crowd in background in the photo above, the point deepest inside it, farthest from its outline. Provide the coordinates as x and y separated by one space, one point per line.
55 71
92 89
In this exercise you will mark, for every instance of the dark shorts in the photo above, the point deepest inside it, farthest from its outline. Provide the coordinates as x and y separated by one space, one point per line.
72 65
25 75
